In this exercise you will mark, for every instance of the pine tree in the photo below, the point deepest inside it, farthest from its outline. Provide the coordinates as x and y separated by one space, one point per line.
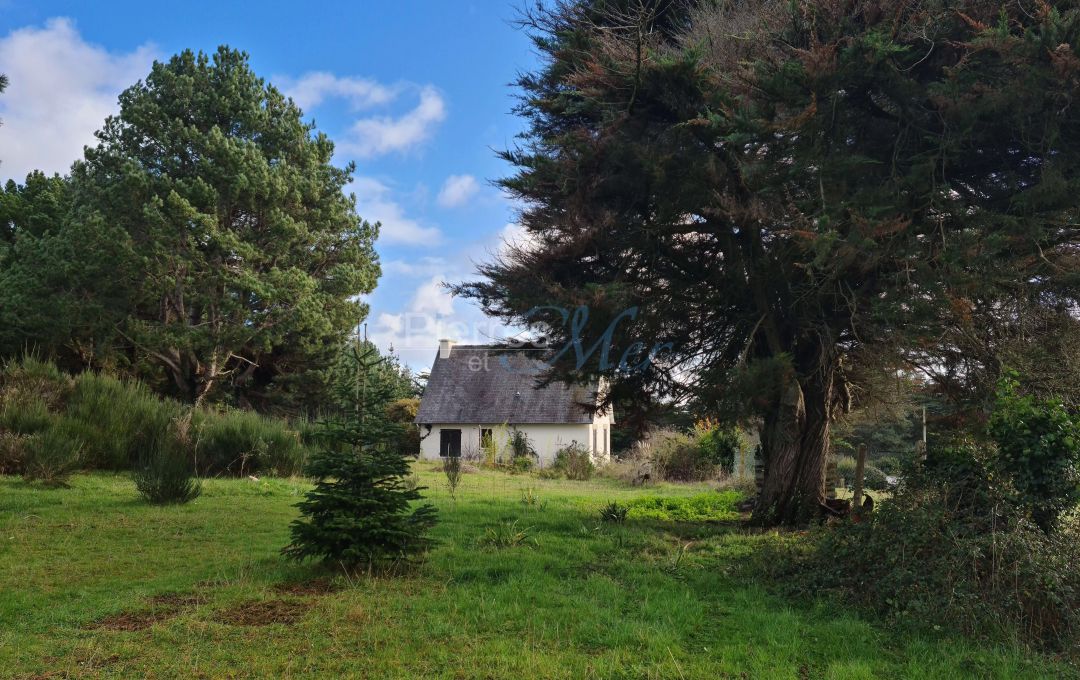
360 511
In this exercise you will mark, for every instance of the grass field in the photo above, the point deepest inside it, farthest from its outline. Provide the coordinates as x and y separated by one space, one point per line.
94 583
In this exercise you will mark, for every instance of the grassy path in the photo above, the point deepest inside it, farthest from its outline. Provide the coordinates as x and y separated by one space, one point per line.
94 583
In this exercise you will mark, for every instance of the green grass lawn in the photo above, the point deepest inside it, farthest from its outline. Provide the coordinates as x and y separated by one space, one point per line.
95 583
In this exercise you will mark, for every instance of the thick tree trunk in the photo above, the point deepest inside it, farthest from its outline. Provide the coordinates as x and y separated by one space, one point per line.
795 445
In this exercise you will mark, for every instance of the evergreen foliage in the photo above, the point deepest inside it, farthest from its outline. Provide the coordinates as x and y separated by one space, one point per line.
204 245
793 195
361 511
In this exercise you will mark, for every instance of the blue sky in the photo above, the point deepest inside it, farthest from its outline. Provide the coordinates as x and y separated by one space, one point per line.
417 93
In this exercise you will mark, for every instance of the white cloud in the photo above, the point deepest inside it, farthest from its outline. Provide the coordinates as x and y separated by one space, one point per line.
61 90
414 326
432 298
312 89
457 190
385 134
374 204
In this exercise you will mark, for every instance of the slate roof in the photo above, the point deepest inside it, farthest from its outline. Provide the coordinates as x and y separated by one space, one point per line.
481 384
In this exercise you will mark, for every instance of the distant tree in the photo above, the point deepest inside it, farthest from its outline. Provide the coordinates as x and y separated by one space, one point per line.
236 258
789 194
361 511
390 374
403 412
64 283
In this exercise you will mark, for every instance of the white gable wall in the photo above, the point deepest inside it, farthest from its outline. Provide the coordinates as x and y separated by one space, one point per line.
546 438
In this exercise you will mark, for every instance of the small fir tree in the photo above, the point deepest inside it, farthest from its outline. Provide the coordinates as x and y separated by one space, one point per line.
361 510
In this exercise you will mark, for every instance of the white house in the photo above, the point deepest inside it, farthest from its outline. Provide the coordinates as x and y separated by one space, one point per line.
478 395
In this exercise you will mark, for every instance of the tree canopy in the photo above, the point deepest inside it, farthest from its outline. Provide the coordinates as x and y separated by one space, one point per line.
205 242
790 194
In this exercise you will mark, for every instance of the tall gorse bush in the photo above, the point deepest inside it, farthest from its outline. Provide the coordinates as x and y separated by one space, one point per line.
165 471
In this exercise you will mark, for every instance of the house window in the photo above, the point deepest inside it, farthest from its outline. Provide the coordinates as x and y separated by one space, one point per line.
485 438
450 443
595 436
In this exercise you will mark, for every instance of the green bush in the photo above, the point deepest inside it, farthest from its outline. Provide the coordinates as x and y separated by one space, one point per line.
118 422
573 462
30 378
1038 443
677 457
930 556
25 415
715 506
521 464
117 419
52 455
165 472
719 445
241 442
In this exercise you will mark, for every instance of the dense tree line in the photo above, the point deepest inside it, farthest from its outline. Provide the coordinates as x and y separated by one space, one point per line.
204 244
796 196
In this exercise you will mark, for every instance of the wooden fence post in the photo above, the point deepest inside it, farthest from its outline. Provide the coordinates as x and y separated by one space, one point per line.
860 468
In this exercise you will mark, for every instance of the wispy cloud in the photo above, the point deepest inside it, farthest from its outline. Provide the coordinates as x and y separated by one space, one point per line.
381 135
61 90
457 190
374 204
312 89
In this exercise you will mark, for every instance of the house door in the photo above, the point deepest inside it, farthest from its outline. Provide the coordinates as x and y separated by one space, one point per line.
450 443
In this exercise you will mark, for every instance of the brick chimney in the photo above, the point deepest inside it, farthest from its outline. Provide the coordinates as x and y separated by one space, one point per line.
444 348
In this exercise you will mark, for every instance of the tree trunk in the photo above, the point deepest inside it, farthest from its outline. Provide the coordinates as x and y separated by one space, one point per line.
795 445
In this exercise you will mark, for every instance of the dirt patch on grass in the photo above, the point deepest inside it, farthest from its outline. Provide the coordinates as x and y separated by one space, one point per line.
264 613
318 586
178 600
161 608
138 620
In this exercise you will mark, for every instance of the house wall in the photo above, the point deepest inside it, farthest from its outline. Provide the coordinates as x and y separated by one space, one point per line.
546 438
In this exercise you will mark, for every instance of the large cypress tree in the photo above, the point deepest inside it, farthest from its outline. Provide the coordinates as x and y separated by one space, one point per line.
791 194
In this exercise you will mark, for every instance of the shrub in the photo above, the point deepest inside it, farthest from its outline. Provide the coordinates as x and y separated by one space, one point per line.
926 556
164 472
12 453
520 448
677 457
1038 444
25 415
719 445
452 469
31 378
716 506
613 512
52 455
241 442
573 462
520 465
117 419
404 411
